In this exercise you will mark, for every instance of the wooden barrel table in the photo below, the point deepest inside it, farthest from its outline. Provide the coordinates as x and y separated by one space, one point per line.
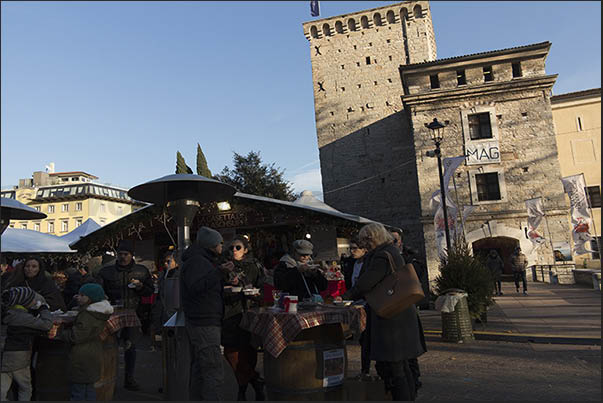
51 372
299 372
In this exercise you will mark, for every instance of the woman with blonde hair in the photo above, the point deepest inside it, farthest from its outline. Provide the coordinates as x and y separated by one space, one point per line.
392 341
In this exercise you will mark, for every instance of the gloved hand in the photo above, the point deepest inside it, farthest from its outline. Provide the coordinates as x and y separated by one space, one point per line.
39 302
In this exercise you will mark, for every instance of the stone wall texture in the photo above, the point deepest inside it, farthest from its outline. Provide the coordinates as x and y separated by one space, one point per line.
370 119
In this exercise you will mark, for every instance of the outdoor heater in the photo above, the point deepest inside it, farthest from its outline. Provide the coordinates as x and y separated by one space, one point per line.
12 209
182 194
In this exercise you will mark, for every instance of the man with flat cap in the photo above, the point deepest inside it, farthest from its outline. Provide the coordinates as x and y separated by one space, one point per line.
125 282
201 291
295 273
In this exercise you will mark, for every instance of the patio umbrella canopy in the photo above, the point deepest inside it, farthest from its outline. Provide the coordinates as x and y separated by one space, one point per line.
12 209
181 186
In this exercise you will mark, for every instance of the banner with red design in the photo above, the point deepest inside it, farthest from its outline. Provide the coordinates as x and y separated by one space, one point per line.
535 216
574 186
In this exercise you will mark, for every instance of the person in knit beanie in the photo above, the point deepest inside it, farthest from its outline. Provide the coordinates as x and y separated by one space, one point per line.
25 315
201 291
84 337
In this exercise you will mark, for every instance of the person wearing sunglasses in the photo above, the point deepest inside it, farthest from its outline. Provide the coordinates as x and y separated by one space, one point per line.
247 272
296 275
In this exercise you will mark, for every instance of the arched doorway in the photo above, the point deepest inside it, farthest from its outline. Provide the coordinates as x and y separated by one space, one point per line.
501 244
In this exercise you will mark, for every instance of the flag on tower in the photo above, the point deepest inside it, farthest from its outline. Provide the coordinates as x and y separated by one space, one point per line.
314 8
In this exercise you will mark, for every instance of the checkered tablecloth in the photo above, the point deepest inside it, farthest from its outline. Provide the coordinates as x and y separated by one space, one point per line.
119 320
278 329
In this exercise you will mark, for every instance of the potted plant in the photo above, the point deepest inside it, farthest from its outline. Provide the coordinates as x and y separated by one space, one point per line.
461 270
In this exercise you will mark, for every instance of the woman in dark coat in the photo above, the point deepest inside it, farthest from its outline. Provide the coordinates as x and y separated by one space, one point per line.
245 271
392 341
33 275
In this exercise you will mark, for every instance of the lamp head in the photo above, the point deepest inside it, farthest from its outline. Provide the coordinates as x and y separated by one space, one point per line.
437 130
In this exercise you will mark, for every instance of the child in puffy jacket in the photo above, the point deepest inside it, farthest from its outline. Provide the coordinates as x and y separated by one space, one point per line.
25 315
84 336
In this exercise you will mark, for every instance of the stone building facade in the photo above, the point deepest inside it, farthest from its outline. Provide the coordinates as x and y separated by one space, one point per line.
370 117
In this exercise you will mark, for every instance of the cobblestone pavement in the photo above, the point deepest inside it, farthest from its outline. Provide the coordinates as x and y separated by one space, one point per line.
481 370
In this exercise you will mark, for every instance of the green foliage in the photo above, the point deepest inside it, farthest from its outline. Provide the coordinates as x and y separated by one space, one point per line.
462 270
250 175
202 168
181 167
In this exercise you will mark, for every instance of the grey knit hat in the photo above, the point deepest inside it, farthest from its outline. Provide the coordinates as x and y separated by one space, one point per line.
18 296
208 238
303 247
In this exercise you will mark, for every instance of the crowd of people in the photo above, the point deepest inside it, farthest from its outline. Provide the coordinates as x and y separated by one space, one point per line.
212 313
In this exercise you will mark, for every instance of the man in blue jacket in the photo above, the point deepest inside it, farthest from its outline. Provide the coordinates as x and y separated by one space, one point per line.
201 289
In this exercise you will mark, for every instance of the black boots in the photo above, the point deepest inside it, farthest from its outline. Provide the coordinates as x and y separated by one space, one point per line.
131 384
258 386
242 389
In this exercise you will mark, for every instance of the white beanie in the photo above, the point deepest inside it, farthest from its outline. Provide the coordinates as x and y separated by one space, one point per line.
208 238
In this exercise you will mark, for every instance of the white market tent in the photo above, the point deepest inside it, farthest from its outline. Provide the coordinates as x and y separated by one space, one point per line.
28 241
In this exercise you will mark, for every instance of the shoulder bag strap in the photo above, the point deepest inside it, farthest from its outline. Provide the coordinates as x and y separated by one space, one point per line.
391 261
306 284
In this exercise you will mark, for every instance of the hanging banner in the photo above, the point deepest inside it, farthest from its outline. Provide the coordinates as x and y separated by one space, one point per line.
438 222
535 216
450 165
574 186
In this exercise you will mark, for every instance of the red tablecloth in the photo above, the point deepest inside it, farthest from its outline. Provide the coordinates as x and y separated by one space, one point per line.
277 329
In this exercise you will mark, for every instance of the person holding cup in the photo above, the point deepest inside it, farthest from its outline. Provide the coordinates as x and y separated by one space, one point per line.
126 282
295 273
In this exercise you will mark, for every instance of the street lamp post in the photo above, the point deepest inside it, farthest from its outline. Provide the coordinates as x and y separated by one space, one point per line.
437 135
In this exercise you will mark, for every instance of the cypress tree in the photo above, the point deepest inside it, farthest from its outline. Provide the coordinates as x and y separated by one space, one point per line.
202 168
181 167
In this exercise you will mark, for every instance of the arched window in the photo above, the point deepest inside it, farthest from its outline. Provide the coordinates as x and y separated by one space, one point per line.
314 31
391 17
377 19
339 27
364 22
404 14
351 24
326 29
417 11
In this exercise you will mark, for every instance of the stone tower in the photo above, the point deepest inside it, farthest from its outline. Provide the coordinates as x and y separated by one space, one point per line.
364 136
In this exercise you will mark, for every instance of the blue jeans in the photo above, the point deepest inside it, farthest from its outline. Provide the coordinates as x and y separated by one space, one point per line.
83 391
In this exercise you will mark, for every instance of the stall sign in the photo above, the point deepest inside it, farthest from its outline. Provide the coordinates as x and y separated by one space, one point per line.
232 220
334 364
487 152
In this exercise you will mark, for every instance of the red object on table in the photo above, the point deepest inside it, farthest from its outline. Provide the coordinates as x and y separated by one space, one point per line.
268 293
335 288
277 329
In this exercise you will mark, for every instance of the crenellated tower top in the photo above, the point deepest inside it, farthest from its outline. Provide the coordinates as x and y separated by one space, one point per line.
408 12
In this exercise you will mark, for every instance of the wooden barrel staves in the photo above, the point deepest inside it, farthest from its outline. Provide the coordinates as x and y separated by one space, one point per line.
312 367
105 386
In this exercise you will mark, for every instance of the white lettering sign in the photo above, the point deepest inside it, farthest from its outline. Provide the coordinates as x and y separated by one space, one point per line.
482 153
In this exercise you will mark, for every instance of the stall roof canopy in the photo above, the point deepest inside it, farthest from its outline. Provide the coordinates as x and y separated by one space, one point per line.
87 227
304 207
27 241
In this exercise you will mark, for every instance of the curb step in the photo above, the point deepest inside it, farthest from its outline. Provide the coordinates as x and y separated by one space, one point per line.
527 338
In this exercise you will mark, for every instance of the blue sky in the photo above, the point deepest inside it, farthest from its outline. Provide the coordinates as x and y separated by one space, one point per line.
116 88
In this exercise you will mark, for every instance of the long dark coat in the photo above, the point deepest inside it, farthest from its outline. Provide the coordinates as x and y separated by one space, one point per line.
41 283
392 339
